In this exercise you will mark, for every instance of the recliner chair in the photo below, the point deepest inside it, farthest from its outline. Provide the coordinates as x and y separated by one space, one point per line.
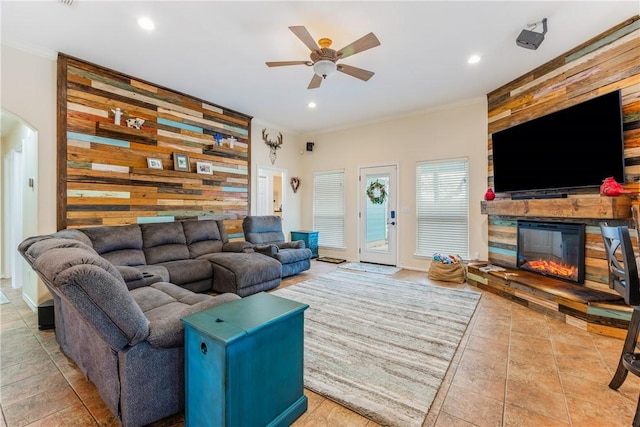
265 233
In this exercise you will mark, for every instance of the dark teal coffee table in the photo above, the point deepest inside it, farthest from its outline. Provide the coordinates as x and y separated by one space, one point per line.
244 363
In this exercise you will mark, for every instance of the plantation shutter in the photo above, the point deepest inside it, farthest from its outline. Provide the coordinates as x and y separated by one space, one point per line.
442 207
328 208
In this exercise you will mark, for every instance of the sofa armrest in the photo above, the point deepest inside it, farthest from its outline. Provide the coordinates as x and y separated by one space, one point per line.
237 247
296 244
269 250
129 274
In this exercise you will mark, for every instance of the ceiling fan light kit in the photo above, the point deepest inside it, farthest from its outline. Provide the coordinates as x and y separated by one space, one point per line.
324 68
324 59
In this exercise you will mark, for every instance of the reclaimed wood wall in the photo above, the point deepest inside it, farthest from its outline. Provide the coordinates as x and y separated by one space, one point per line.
608 62
103 175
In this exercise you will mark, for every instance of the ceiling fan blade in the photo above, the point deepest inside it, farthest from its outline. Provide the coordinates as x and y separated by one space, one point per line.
302 33
283 63
360 45
315 82
356 72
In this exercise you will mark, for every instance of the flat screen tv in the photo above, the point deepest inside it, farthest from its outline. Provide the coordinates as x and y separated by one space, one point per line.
579 146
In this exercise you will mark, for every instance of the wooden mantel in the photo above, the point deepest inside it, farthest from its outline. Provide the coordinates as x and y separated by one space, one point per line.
590 207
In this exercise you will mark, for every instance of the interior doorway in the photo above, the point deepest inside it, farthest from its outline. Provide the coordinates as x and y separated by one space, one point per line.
19 213
271 191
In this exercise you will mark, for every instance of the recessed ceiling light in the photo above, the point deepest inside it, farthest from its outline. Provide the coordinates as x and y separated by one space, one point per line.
311 105
473 59
146 23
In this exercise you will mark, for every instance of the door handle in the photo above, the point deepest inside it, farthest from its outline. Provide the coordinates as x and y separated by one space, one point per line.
392 223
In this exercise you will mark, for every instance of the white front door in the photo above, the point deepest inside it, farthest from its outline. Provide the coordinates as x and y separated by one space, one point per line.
378 216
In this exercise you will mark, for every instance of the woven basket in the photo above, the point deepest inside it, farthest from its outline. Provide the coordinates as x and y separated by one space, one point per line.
448 272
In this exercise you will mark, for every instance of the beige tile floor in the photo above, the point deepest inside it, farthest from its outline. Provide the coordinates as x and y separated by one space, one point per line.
514 367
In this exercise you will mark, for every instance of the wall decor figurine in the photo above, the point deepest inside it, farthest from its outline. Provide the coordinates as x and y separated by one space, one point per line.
611 188
117 115
273 145
489 195
295 184
135 123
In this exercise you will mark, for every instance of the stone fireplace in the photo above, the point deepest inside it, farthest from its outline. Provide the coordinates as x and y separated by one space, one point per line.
552 249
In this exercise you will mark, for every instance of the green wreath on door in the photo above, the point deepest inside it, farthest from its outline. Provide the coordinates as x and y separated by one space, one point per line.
377 193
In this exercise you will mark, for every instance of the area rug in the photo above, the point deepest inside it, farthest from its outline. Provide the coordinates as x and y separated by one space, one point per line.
370 268
380 346
331 260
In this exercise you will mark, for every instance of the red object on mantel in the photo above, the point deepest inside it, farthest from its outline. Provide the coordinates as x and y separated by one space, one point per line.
489 195
611 188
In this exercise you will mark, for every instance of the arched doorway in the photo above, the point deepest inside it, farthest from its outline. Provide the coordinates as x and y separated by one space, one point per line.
19 213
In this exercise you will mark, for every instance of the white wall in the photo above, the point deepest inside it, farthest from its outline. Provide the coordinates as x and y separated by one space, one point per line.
451 132
289 157
29 91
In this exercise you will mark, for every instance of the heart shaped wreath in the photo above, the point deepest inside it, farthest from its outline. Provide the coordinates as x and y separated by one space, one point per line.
295 183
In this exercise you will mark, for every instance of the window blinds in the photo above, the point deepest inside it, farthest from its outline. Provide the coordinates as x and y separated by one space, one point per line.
328 208
442 207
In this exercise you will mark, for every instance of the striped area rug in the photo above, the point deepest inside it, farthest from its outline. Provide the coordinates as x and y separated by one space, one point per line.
380 346
370 268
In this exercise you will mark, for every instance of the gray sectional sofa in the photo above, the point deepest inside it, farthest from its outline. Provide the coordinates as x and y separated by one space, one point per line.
195 255
119 294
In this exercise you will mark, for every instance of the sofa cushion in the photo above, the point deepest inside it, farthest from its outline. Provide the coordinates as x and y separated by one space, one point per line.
120 245
260 230
244 269
203 237
164 304
35 248
73 234
164 242
55 260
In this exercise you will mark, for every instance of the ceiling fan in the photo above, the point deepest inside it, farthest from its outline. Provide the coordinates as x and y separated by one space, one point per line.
324 59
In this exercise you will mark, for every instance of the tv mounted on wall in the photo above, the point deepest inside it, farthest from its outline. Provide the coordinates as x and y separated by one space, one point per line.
579 146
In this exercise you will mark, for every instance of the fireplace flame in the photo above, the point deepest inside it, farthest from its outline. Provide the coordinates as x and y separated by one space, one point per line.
560 270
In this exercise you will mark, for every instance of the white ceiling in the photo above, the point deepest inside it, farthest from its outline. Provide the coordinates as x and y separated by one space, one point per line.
216 50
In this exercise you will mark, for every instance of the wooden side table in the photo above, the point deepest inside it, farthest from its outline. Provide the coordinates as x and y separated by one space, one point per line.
244 363
310 239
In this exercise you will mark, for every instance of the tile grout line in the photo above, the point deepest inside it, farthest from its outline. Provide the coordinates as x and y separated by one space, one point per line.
557 368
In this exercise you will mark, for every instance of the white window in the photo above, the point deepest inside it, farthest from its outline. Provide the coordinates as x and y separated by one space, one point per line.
442 207
328 208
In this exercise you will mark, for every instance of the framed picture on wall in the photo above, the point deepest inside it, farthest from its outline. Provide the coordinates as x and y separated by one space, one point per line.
154 163
204 167
181 162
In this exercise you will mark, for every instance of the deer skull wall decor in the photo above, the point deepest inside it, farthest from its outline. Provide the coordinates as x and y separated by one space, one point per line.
273 145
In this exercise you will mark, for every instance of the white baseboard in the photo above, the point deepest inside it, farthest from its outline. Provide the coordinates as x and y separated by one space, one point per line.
31 304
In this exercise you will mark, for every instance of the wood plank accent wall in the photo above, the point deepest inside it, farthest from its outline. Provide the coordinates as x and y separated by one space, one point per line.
608 62
103 178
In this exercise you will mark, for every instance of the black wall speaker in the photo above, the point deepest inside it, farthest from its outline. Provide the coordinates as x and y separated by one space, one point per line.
310 146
